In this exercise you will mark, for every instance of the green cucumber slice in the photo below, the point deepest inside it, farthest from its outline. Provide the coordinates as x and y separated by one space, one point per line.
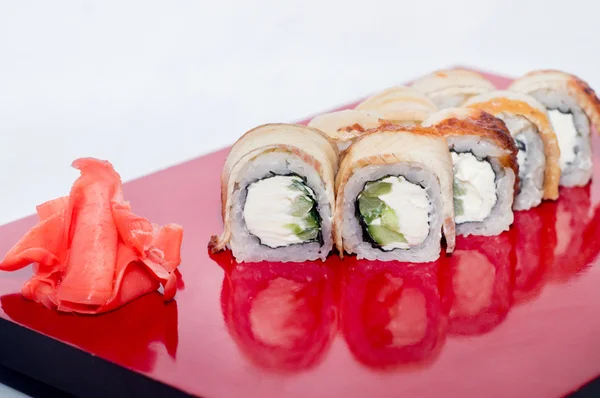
389 219
370 208
309 229
458 207
458 189
311 219
295 228
298 185
384 236
308 234
301 206
375 189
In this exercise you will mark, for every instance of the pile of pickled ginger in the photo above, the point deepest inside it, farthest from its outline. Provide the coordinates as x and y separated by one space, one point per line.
90 253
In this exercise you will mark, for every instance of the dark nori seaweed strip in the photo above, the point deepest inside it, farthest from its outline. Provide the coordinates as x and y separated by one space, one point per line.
522 146
365 233
561 111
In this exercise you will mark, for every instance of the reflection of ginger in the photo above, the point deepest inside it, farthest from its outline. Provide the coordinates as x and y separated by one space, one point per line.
472 283
408 313
277 316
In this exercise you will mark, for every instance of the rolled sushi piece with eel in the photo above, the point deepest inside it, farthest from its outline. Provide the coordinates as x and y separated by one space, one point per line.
484 159
277 195
400 105
394 195
573 108
344 127
453 87
538 156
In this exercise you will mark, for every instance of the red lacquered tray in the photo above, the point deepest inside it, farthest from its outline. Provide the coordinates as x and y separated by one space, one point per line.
510 316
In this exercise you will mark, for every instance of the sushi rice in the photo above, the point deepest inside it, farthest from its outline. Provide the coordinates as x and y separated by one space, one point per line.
484 158
538 157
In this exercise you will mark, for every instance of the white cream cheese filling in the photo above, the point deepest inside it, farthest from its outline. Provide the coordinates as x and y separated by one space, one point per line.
269 207
566 133
474 188
411 204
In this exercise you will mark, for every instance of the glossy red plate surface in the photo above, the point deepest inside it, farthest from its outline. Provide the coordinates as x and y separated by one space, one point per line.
510 316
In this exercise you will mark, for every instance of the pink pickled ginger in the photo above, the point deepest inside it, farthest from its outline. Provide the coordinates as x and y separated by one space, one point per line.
90 253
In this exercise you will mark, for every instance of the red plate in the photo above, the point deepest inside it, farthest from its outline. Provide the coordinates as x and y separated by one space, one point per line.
510 316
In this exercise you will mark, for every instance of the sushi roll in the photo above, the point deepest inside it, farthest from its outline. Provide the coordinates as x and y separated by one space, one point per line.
484 159
394 194
573 108
528 123
344 127
453 87
400 105
277 195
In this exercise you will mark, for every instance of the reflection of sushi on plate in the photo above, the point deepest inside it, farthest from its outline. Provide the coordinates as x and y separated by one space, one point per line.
528 123
391 313
478 283
394 195
452 88
555 242
277 195
282 316
402 106
573 109
534 240
484 162
576 228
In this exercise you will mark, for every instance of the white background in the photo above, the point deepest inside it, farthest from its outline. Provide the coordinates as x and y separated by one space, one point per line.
147 84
